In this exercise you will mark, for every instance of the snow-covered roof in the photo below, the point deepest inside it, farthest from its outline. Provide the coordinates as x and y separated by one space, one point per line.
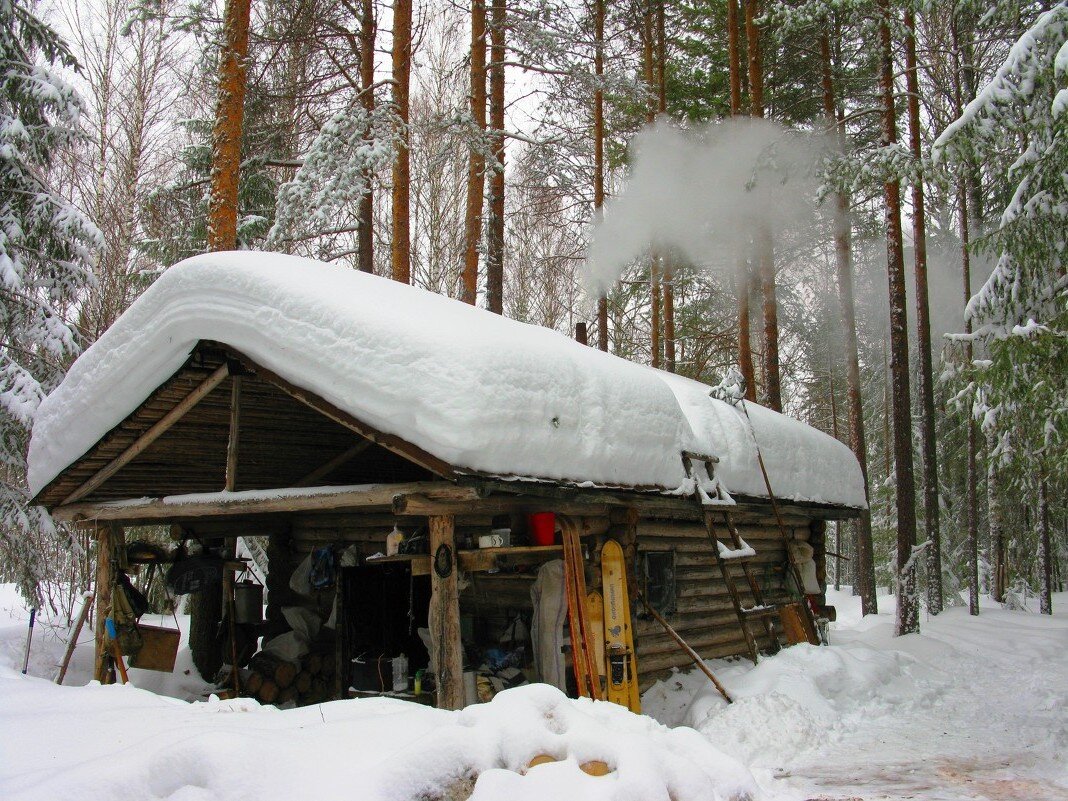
479 391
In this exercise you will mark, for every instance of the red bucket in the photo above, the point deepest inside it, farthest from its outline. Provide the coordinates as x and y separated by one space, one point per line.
542 527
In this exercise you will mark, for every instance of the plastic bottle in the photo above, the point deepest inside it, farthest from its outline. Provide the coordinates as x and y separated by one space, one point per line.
393 541
400 673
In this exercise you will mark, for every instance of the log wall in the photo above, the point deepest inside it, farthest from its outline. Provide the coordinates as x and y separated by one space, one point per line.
704 617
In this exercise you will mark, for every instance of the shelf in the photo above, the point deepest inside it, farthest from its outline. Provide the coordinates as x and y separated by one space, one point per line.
476 560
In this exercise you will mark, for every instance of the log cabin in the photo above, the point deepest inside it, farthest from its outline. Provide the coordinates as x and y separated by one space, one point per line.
314 413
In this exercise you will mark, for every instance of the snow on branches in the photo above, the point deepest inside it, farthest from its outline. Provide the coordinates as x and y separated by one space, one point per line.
1017 126
46 247
336 172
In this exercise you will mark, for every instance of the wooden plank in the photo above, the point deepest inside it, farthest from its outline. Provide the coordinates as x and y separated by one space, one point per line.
483 559
416 504
445 613
260 502
155 432
235 434
331 465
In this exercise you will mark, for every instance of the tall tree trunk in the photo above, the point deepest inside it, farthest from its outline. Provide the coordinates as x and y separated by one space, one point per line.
476 165
923 333
743 280
864 568
971 471
205 608
971 495
401 253
495 240
668 271
366 210
650 69
997 528
226 136
908 619
1045 553
598 153
764 244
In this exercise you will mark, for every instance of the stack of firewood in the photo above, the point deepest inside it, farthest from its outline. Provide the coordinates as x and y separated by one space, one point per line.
275 681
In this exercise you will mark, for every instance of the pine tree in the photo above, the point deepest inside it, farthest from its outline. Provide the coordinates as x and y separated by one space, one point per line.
46 247
401 252
1018 126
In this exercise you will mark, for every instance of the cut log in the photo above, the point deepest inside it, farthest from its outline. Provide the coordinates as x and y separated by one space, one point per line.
303 682
253 683
268 692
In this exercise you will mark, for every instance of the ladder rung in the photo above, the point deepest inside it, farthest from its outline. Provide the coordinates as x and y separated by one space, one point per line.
738 554
760 611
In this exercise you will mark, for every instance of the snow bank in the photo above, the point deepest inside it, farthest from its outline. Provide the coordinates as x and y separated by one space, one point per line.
975 707
88 742
480 391
784 706
131 744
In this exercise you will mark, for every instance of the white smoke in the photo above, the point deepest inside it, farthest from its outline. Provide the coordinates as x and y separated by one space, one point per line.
704 193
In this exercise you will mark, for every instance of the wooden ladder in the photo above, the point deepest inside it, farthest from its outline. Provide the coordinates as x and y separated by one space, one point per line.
731 552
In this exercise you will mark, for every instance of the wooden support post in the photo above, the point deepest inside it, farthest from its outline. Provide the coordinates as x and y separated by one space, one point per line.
445 613
104 579
235 434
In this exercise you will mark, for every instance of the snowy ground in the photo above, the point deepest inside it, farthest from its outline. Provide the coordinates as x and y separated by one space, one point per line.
973 709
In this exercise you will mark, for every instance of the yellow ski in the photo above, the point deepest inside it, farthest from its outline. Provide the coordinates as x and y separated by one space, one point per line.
618 633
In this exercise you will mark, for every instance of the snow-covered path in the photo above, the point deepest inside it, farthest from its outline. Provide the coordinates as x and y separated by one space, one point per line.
971 709
988 718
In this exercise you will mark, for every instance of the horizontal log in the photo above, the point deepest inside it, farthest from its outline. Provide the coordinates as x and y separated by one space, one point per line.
238 503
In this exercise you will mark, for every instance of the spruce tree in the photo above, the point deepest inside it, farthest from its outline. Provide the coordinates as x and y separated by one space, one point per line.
46 247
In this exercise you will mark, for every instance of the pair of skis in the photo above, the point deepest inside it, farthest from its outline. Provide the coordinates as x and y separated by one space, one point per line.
602 640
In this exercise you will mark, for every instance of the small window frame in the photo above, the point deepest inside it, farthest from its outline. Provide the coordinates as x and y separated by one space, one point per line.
660 580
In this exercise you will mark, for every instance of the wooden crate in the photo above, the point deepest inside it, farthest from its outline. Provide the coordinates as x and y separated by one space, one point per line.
159 649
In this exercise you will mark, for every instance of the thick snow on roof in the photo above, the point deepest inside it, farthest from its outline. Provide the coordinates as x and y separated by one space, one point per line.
477 390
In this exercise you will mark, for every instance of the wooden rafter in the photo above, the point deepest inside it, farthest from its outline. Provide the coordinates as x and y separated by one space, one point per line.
328 467
235 434
390 442
155 432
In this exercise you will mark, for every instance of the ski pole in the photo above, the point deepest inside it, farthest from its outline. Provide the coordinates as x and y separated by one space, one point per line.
29 637
116 653
690 652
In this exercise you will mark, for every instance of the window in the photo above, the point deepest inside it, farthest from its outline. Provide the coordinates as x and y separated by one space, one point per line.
659 581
